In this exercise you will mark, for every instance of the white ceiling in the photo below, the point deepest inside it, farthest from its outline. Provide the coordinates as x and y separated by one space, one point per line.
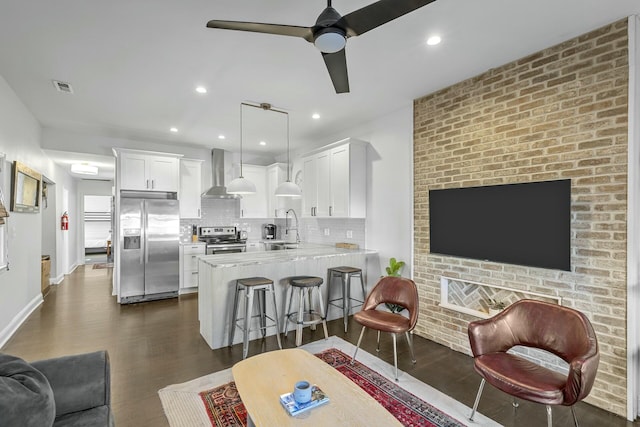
134 65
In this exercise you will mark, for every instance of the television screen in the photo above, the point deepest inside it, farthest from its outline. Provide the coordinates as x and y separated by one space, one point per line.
525 224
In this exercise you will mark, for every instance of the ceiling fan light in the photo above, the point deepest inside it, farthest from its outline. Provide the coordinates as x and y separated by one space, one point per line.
288 189
84 169
330 40
241 185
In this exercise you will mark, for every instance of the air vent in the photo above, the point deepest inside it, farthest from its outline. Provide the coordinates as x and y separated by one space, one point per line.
62 86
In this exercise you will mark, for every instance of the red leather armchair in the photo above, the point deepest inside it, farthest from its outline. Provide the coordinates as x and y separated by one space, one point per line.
393 290
565 332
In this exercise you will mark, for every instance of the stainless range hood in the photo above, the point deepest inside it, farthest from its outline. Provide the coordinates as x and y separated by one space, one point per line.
218 190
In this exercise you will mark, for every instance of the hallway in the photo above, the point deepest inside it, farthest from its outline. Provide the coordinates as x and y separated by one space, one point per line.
152 345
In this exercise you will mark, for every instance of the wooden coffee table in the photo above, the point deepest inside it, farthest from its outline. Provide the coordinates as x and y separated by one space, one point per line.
263 378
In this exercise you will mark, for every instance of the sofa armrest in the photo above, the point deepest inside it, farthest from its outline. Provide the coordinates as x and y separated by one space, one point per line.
79 382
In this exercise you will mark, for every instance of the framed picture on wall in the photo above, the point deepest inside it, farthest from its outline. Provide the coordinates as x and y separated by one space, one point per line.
27 189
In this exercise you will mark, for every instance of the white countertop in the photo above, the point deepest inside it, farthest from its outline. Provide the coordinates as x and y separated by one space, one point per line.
303 251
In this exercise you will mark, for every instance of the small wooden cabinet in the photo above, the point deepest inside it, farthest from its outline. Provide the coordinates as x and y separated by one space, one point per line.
334 183
190 188
45 273
189 266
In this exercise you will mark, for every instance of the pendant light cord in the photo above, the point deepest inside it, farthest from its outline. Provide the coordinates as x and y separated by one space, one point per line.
241 140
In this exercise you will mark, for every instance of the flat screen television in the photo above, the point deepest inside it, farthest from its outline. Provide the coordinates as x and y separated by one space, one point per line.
526 224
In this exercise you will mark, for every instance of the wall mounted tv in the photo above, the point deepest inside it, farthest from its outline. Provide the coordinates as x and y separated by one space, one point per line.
525 224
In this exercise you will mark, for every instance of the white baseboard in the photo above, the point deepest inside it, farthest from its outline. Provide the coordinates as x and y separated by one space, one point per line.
56 280
184 291
15 323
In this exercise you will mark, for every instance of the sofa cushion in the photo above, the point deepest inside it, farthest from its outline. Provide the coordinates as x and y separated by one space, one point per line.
99 416
26 398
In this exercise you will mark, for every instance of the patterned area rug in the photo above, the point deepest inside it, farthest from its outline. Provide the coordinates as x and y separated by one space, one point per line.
225 409
102 265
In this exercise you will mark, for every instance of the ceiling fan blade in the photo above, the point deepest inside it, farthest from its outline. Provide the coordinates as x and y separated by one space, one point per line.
257 27
376 14
337 66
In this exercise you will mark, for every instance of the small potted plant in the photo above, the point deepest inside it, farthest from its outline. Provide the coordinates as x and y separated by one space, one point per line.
394 270
495 306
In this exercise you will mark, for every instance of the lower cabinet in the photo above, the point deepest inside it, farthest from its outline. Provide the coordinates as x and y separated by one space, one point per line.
189 266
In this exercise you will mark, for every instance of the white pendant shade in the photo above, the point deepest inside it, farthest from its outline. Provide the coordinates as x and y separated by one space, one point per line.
288 189
241 185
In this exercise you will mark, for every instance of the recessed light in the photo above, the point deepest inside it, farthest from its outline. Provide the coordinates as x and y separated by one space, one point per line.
263 143
221 136
315 116
84 169
434 40
201 89
174 130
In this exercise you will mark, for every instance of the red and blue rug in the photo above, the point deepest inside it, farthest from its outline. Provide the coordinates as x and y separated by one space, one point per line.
225 408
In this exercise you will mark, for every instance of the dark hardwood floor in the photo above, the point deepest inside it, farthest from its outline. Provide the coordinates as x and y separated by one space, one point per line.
154 344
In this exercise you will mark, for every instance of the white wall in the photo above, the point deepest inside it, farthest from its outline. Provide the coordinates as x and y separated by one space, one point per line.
389 224
20 136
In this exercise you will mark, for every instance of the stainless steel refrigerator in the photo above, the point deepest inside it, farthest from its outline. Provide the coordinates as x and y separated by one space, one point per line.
149 238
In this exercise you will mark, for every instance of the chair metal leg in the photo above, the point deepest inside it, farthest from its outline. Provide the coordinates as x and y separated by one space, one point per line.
549 419
378 345
275 316
323 313
475 404
248 307
300 317
234 319
575 420
410 341
395 354
262 307
358 345
346 301
287 311
515 403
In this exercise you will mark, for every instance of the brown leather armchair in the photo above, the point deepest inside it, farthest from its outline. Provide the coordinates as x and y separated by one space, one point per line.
392 290
565 332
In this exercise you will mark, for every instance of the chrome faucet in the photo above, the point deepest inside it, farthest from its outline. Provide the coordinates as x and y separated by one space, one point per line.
286 224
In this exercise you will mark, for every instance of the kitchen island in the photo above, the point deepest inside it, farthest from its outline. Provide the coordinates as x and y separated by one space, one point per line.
218 274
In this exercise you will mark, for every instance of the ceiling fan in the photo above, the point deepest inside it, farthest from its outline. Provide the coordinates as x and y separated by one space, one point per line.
331 31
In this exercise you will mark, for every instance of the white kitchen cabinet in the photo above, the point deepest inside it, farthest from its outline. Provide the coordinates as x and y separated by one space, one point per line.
190 188
189 266
255 205
276 175
148 171
334 181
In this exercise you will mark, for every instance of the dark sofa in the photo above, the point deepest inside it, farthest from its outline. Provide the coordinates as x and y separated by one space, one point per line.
68 391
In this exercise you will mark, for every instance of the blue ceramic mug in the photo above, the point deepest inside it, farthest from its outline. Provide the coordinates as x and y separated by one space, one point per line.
302 392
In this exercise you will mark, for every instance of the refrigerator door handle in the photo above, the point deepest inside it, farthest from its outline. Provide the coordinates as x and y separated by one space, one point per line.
145 218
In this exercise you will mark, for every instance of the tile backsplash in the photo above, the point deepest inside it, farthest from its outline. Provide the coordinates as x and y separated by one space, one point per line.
313 230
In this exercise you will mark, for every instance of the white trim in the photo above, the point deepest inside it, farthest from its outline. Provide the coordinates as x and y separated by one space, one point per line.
56 280
633 223
19 319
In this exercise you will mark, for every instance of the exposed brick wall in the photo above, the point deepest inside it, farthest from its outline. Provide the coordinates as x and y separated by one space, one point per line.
560 113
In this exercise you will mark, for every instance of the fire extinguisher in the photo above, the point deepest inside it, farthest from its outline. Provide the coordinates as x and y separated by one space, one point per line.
64 221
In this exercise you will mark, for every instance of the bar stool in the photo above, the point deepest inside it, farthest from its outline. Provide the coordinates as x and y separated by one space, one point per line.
305 284
261 285
345 274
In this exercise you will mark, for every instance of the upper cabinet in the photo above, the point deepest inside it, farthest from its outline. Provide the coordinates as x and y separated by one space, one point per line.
147 171
255 205
276 175
334 180
190 188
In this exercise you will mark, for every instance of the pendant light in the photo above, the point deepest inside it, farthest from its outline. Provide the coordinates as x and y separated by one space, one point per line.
241 185
288 188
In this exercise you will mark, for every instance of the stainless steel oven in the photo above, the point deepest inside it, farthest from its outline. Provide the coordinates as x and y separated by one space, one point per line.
223 248
222 240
